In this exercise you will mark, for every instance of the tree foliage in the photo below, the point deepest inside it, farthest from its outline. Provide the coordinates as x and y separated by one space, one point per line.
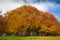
2 25
27 20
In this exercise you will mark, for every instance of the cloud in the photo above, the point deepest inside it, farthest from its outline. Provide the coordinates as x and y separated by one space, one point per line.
9 6
45 6
40 6
12 5
31 1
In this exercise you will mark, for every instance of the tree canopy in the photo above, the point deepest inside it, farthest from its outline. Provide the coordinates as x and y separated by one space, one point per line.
30 18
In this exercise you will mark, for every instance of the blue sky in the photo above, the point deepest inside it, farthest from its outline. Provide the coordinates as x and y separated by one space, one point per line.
52 6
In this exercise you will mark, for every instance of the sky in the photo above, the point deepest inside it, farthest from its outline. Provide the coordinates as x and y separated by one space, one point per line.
52 6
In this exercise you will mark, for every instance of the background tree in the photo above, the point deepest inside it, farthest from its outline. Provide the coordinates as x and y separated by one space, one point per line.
2 25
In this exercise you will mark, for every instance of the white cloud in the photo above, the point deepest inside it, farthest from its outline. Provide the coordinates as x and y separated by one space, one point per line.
30 1
9 6
41 6
11 0
44 6
12 5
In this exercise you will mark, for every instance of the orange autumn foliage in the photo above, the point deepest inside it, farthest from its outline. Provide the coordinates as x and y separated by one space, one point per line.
28 16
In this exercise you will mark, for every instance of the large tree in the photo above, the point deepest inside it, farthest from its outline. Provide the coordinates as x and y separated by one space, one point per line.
27 17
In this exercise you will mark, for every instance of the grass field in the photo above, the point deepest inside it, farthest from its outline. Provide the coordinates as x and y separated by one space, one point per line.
30 38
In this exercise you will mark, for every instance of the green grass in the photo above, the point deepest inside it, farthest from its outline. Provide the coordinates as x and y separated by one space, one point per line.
30 38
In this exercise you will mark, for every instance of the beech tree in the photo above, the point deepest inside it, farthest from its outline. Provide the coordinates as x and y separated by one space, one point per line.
25 18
